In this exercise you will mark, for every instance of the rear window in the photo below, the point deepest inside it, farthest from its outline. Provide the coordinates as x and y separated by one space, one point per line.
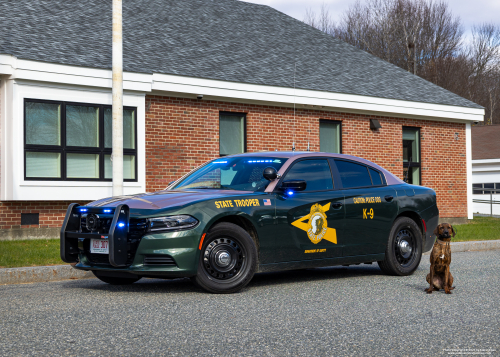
376 177
353 175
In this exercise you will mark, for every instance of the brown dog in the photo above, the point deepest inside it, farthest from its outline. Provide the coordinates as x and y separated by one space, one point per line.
440 276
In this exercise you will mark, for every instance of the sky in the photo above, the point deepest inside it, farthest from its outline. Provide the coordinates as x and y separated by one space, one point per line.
470 11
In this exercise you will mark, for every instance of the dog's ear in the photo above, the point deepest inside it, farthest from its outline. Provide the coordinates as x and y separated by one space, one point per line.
436 231
453 230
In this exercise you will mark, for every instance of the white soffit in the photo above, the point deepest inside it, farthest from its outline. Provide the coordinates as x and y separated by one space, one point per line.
163 84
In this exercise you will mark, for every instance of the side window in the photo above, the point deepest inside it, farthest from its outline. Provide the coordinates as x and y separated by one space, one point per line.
316 173
376 177
353 175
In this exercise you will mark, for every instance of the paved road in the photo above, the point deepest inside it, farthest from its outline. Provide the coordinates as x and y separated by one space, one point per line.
337 311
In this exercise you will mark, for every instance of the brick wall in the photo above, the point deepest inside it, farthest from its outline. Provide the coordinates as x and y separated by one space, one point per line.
172 151
51 213
183 133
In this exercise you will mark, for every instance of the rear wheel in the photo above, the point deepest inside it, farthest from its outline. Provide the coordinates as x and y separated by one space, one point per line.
404 248
113 280
228 259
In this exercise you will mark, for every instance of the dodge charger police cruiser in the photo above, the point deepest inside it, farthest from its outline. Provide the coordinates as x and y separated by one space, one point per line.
256 212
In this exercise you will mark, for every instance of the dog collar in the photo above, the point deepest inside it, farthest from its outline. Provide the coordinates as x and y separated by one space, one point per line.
442 242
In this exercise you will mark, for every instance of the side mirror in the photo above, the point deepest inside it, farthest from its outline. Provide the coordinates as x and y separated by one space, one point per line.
294 185
270 173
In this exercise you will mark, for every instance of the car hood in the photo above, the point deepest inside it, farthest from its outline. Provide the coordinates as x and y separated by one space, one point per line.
166 199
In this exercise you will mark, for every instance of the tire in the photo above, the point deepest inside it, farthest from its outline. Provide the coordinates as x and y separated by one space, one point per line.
228 259
404 248
115 280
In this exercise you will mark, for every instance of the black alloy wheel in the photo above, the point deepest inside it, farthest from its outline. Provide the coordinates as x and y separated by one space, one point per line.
228 259
224 259
404 248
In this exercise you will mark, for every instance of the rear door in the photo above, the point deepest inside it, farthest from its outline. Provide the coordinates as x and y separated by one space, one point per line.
309 222
370 208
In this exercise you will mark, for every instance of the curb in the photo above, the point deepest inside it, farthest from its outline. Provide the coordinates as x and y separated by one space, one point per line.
41 274
64 272
472 246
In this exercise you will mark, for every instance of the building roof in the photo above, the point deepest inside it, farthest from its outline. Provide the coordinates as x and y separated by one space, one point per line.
485 142
225 40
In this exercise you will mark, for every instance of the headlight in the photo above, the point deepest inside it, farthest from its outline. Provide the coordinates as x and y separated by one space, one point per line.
171 223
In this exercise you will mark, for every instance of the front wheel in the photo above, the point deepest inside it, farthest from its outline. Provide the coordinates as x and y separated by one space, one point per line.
228 259
404 248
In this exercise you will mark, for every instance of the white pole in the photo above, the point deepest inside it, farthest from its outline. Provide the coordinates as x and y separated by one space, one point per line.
117 151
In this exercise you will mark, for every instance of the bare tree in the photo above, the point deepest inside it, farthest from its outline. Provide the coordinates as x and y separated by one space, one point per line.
425 38
323 21
483 55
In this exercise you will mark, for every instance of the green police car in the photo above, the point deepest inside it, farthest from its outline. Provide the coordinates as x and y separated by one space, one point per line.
256 212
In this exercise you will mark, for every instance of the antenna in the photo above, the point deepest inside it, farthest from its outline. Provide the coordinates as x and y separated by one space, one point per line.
294 69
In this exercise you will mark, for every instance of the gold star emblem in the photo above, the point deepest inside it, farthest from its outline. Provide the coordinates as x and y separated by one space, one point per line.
317 226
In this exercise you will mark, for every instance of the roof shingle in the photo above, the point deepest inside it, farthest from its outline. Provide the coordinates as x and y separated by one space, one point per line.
216 39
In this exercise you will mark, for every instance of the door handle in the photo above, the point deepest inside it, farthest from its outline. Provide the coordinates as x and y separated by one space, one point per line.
388 198
337 205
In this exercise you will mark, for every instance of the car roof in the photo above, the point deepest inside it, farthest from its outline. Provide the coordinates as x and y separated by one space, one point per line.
390 178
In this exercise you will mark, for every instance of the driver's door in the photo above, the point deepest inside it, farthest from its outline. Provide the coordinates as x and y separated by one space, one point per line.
309 222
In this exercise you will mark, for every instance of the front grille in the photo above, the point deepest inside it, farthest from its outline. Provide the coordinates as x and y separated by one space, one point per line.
100 223
137 229
137 226
159 260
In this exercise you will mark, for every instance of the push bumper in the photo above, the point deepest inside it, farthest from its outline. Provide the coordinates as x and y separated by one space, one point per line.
131 251
165 255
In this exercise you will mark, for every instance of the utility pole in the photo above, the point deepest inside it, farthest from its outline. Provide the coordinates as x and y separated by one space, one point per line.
117 90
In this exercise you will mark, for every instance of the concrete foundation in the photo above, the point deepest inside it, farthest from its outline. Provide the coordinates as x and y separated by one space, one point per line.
29 233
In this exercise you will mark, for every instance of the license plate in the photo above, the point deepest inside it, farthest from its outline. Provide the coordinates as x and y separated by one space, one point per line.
99 246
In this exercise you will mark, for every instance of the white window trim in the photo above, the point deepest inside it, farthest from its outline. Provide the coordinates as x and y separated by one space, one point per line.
13 185
468 160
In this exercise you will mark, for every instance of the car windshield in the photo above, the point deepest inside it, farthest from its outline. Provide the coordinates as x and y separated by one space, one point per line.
232 173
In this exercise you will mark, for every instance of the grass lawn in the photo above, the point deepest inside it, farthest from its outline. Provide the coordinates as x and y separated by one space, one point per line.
40 252
28 253
479 228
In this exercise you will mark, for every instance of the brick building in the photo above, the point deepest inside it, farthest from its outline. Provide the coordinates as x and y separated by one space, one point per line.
486 168
202 79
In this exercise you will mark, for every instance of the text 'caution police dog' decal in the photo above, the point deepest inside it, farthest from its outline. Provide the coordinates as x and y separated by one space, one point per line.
317 225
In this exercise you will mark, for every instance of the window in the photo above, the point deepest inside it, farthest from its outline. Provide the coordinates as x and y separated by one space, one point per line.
72 141
330 136
316 173
411 155
354 175
482 188
476 188
376 177
232 133
235 173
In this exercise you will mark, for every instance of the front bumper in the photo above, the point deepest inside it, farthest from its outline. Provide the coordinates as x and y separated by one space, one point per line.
170 254
152 256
